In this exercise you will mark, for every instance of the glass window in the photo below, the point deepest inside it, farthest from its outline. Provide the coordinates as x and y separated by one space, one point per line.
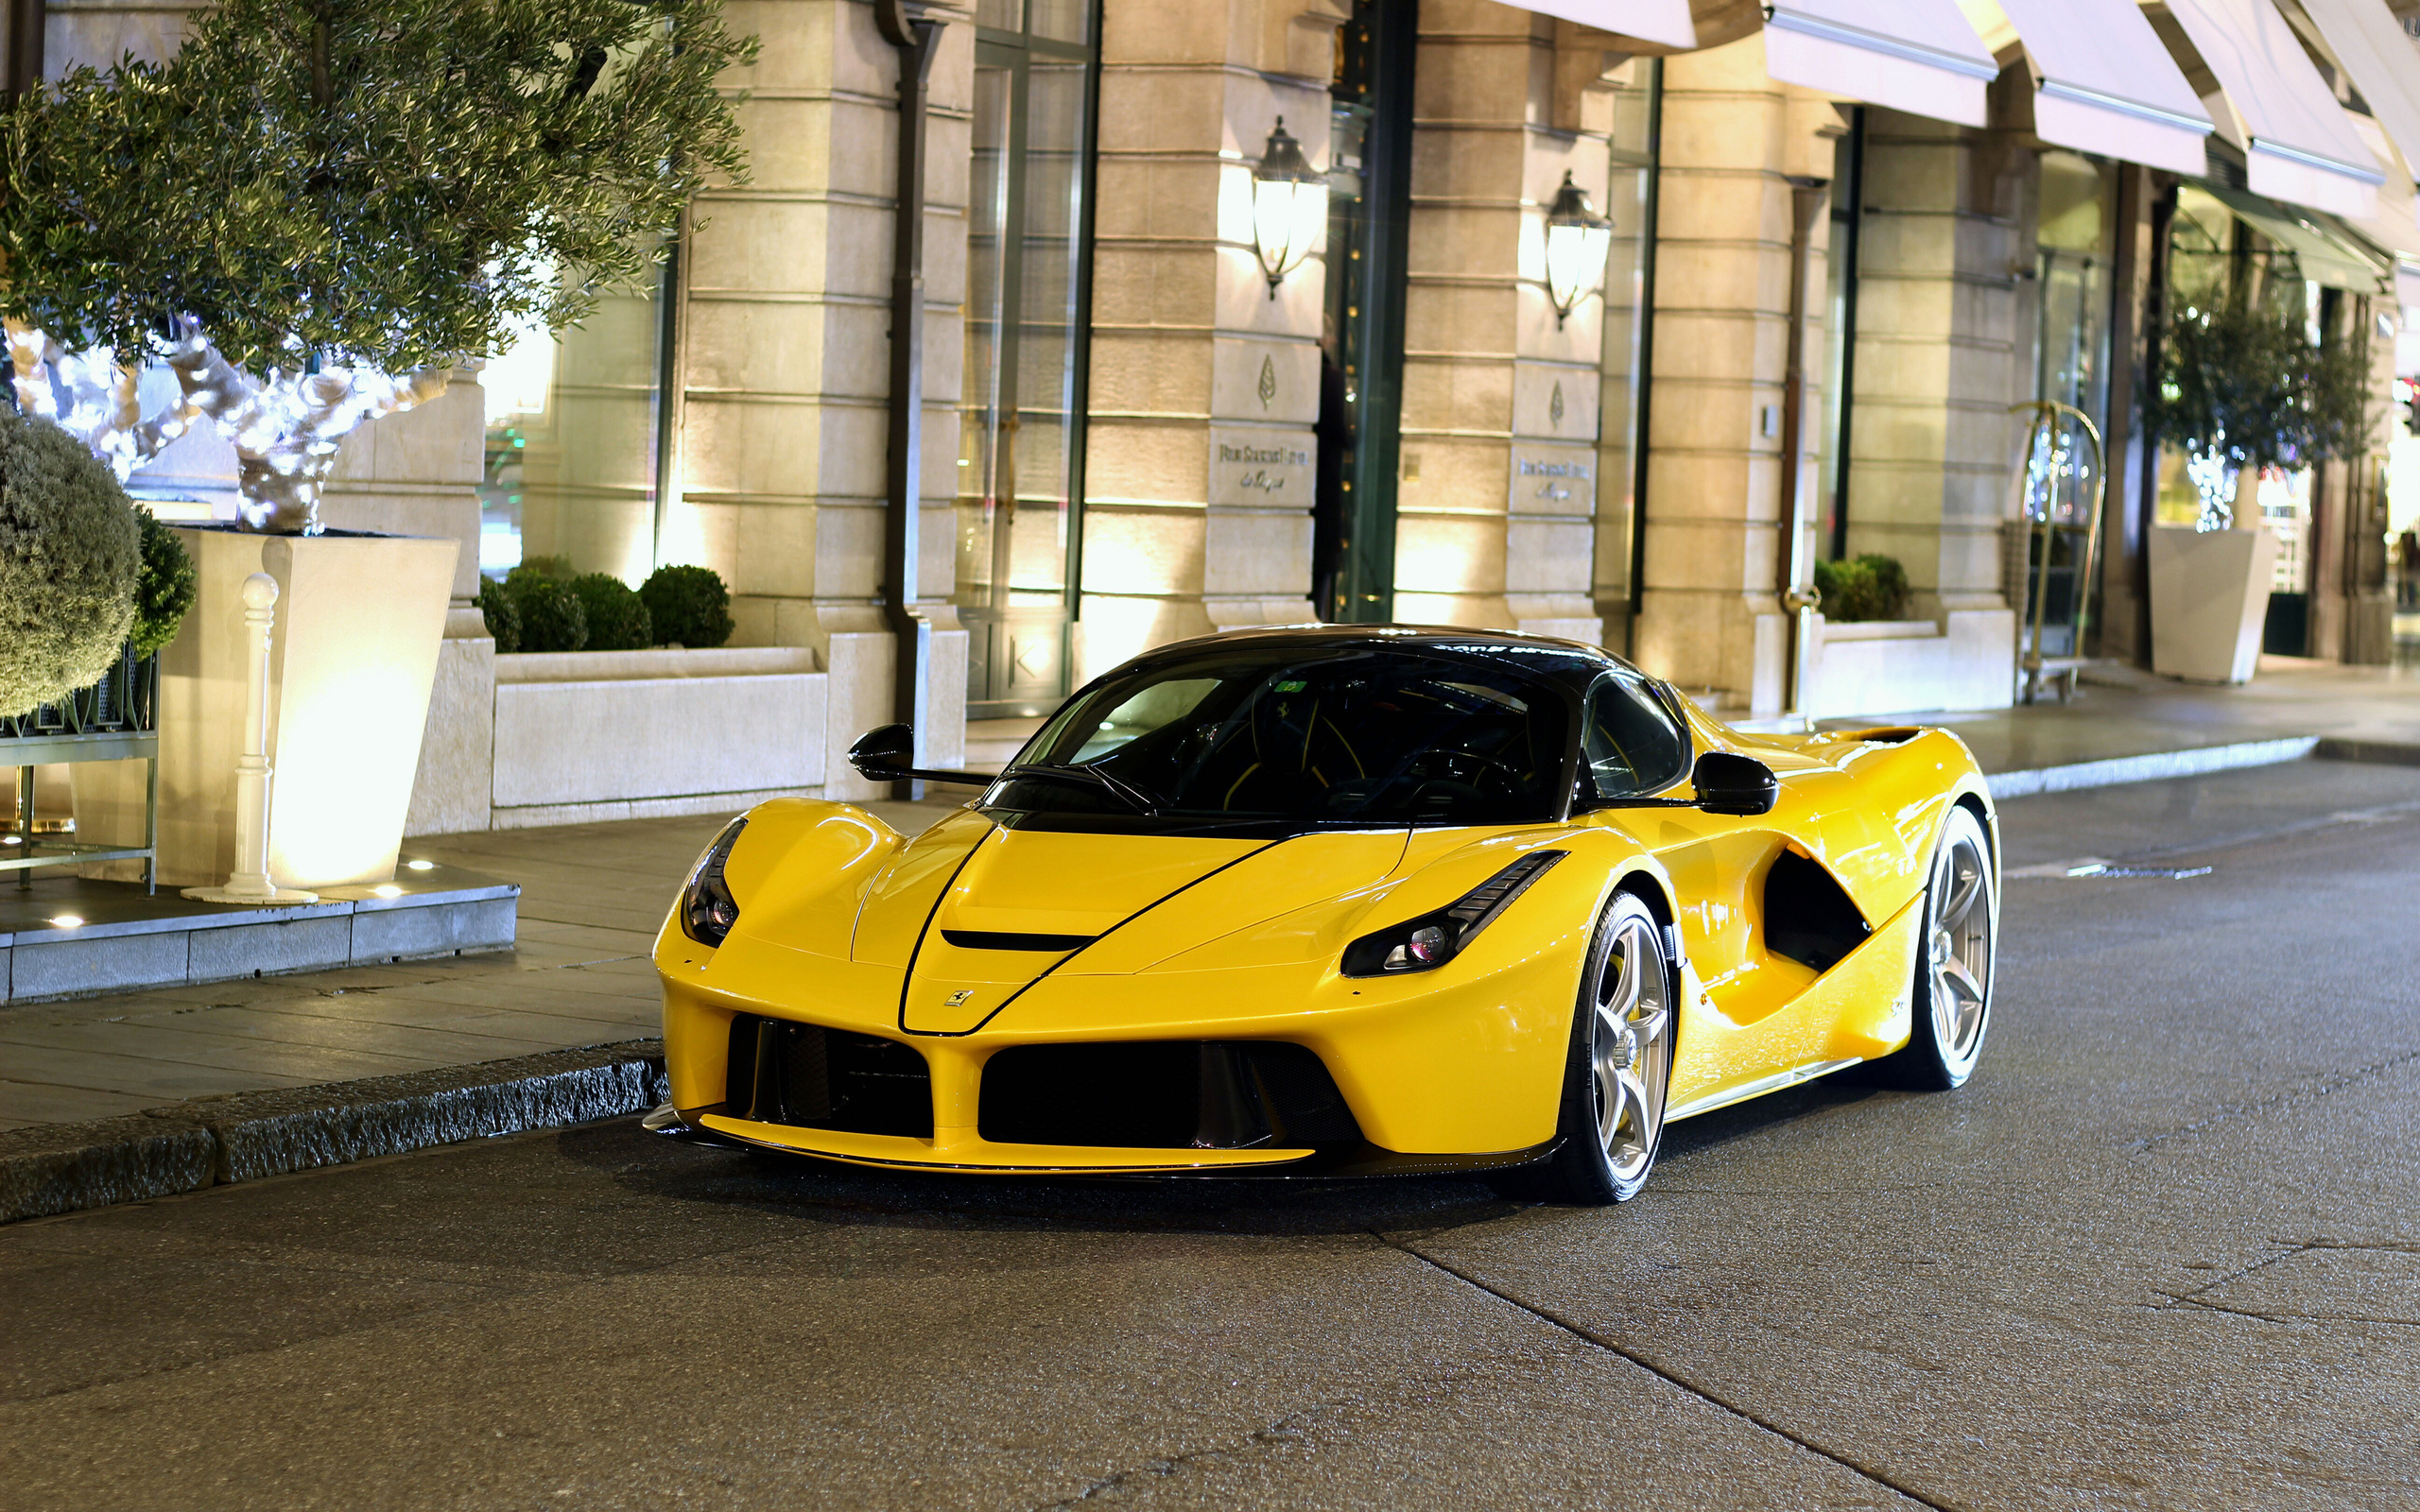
1020 431
1631 204
1630 743
2214 254
571 442
1357 737
2062 482
1840 327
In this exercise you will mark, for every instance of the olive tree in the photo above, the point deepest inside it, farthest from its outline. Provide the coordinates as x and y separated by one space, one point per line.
2241 386
315 209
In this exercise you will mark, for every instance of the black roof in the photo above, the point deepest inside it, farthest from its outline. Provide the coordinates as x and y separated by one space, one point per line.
1540 655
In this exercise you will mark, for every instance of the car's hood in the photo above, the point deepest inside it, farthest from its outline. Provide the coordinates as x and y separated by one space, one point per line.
981 911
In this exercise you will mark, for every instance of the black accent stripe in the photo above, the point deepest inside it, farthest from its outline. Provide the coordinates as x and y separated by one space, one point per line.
907 978
1121 924
985 939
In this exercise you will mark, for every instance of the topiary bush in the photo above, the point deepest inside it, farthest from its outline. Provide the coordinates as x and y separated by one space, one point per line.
165 585
1869 588
617 619
551 616
501 614
689 606
70 552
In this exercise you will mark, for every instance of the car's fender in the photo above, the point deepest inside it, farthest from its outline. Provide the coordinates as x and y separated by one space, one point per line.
798 872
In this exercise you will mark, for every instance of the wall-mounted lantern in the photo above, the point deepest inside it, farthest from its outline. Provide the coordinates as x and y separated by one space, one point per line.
1288 206
1578 239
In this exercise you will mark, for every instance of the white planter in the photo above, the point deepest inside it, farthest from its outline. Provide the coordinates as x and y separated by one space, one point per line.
586 735
352 658
2209 601
1906 666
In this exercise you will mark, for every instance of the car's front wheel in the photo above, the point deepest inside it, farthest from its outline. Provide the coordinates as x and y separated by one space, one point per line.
1621 1065
1952 999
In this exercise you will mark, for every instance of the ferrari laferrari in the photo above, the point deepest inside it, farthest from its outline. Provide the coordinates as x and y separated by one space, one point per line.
1336 900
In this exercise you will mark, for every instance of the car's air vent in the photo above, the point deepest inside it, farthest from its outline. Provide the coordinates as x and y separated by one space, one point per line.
1808 918
985 939
1887 734
811 1077
1161 1094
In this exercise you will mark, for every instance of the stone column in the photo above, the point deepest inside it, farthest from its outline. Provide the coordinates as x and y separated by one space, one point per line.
1199 455
1944 347
1497 500
786 349
1710 616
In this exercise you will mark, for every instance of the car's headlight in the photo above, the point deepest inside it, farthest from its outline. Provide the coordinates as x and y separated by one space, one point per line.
707 909
1425 943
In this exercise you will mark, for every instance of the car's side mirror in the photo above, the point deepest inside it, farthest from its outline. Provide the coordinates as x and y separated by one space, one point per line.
1728 783
885 753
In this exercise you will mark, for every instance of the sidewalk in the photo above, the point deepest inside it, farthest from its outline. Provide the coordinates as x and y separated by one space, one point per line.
593 895
591 898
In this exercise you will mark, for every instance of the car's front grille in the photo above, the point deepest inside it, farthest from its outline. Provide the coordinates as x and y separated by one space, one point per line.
812 1077
1170 1094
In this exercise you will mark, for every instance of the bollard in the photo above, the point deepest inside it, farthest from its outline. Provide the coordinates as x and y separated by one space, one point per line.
249 882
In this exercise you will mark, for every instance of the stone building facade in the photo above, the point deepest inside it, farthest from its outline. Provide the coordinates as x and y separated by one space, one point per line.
1132 434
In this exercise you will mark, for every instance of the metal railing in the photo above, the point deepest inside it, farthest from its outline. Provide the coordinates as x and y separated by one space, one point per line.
112 720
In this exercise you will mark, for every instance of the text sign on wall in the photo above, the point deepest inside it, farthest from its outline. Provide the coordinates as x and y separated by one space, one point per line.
1552 478
1267 468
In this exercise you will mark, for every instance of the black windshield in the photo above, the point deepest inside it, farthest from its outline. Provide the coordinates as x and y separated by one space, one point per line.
1346 737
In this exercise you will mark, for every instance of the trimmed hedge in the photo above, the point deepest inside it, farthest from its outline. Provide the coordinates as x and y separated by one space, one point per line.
70 554
551 616
689 606
1869 588
165 586
617 620
503 617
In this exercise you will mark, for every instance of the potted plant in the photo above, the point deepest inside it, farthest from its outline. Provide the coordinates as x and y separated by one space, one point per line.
71 549
311 214
2241 388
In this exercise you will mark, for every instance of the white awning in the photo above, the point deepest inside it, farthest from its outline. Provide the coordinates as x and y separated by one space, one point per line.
2274 105
2324 256
2370 43
1918 56
1663 20
2396 225
2108 85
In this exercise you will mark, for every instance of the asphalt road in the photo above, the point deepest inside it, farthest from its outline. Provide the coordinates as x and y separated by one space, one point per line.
2162 1252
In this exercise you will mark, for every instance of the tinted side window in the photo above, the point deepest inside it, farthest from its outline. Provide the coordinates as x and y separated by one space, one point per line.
1631 745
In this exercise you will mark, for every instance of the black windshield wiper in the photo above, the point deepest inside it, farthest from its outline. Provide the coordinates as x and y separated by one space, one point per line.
1127 793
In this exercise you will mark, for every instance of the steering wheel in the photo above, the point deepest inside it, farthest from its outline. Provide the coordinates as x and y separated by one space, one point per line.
1459 763
1459 792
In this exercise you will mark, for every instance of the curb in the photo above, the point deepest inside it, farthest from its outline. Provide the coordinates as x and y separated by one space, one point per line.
2375 752
57 1168
2157 765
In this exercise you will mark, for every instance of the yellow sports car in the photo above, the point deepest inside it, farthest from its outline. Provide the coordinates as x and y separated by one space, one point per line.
1336 900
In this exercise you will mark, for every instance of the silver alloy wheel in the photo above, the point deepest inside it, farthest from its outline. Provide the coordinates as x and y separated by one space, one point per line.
1630 1047
1958 941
